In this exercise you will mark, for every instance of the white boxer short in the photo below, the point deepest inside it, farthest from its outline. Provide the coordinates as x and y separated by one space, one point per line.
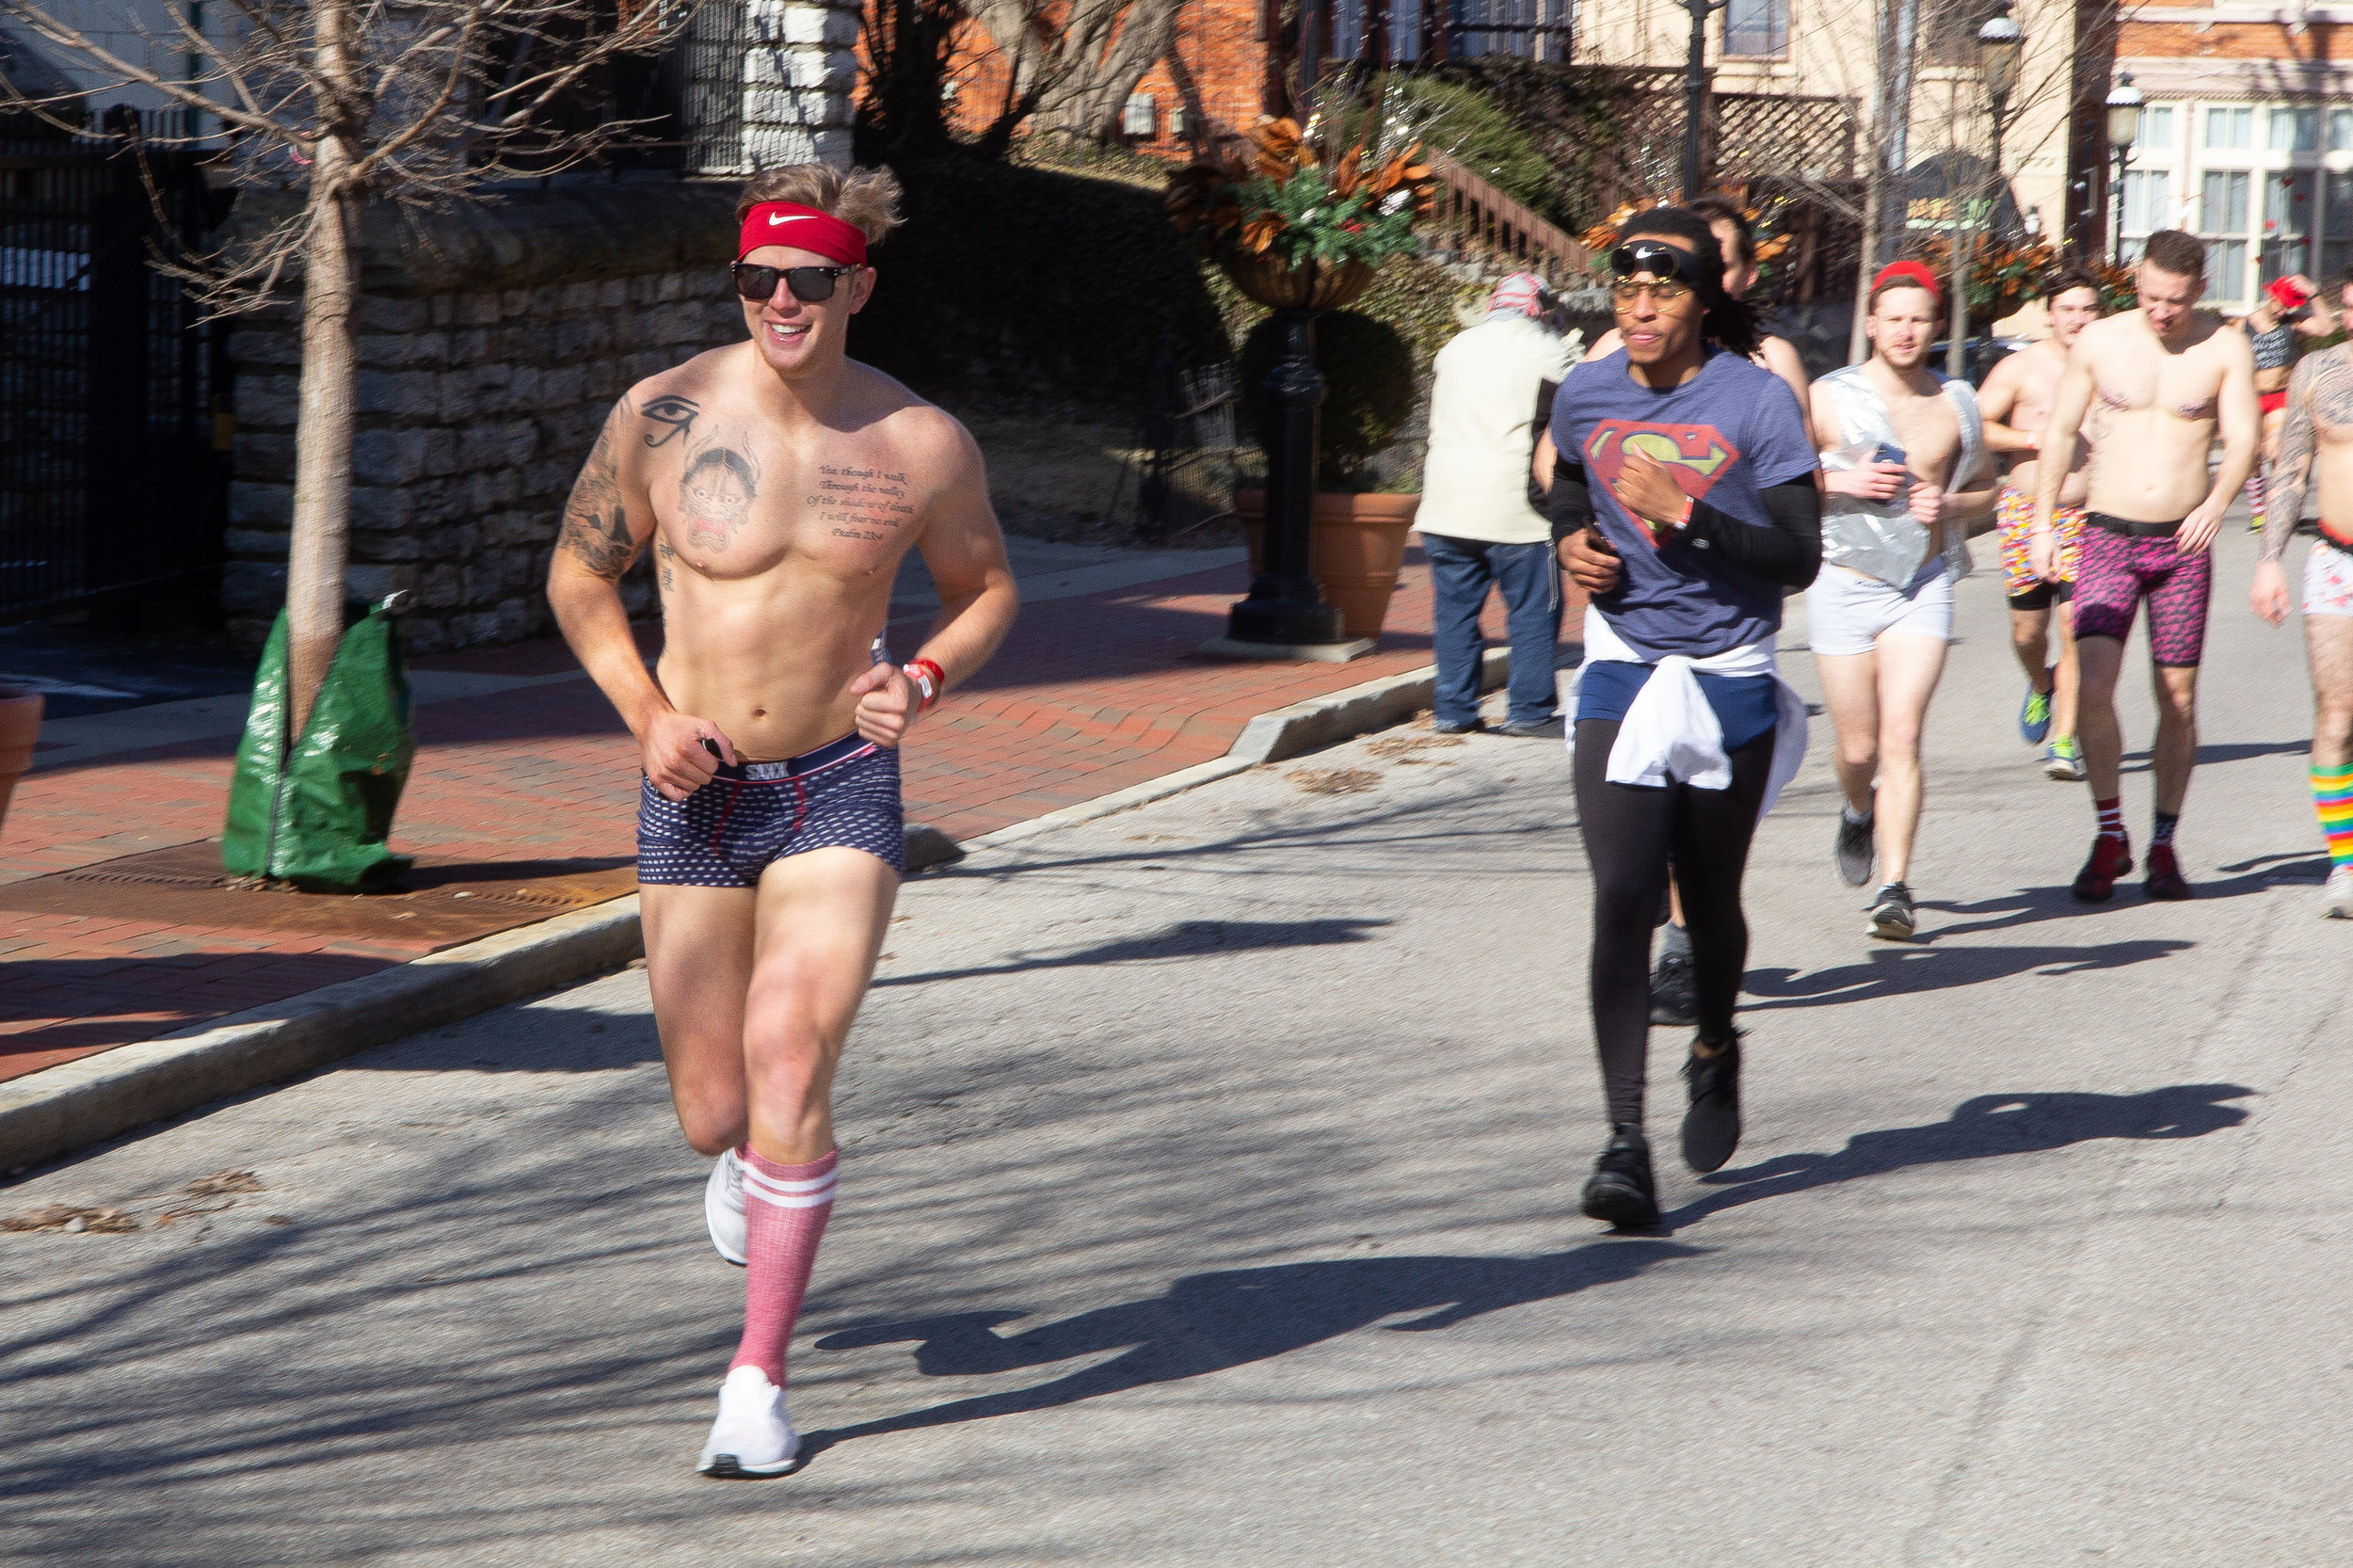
1848 613
2329 582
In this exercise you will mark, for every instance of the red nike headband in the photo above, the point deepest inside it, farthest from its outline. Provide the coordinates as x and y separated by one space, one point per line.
803 228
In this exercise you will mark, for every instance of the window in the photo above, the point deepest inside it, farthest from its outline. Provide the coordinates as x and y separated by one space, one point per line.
2222 218
1755 27
1177 121
1948 29
2148 206
2296 130
1141 116
2341 130
2336 242
2287 224
2156 129
2230 130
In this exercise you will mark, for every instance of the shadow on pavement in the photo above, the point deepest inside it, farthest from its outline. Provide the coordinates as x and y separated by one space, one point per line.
1184 939
1980 1129
1898 971
2226 751
1208 1323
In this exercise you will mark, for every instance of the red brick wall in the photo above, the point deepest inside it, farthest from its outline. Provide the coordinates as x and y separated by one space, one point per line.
1217 75
2237 40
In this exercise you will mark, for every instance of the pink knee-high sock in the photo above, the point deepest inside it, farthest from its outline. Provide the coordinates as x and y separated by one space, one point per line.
785 1208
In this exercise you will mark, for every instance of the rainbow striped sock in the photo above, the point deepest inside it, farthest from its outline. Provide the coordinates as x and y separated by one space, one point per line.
2332 798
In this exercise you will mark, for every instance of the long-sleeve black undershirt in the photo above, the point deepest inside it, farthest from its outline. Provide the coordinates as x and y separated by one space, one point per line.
1789 552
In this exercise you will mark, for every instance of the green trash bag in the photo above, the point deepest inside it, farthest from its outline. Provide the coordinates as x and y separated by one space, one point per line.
316 814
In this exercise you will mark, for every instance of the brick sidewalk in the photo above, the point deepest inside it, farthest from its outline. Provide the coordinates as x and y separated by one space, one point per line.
522 792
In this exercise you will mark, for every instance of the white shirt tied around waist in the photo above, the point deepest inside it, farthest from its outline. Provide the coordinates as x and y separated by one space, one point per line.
1669 731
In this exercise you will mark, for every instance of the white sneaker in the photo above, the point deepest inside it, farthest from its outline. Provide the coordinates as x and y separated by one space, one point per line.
751 1437
723 1208
2336 899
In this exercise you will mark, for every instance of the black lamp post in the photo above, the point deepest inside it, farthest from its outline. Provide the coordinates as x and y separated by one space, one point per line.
2001 43
1695 91
2123 125
1286 604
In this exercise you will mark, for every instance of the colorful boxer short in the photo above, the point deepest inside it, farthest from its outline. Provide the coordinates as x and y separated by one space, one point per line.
2117 571
2014 516
843 794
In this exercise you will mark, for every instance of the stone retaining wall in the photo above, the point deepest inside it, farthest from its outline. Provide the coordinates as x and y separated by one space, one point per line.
494 340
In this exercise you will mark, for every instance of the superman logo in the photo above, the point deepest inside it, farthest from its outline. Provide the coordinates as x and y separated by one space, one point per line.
1696 454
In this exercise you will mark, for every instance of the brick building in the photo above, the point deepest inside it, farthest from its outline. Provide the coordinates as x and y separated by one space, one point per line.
2244 138
1232 61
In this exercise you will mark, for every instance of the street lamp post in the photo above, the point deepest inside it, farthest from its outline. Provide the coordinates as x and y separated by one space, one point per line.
1695 91
2123 125
2001 44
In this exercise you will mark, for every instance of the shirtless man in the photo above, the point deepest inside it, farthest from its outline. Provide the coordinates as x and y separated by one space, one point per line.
780 485
2016 402
1880 645
2155 382
2316 452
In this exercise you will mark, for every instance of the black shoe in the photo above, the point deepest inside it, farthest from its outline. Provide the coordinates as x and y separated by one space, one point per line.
1852 849
1675 997
1619 1190
1549 730
1711 1127
1892 914
1449 726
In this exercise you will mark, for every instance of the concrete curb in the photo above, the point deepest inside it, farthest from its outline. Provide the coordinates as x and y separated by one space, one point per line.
60 1108
45 1114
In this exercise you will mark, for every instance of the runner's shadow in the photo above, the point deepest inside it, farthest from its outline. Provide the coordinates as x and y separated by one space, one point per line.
2031 905
2225 751
1980 1129
1208 1323
1900 972
1184 939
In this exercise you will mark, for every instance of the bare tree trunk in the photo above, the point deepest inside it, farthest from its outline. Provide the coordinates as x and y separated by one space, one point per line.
322 499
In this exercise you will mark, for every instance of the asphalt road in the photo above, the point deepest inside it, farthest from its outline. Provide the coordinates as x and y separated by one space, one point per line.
1209 1198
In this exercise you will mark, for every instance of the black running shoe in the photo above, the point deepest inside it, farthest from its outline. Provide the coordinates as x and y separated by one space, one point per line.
1711 1127
1853 848
1620 1190
1675 995
1892 914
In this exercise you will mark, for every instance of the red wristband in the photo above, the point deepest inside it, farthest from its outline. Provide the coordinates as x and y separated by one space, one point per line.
938 680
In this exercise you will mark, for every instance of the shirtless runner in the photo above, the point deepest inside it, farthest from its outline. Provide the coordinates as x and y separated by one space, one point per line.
1879 628
2155 383
2016 401
780 483
2316 452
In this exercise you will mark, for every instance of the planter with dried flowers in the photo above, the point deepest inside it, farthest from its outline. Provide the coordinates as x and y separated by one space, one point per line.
1301 227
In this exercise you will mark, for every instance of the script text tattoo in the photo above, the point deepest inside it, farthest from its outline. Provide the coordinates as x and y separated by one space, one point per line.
861 502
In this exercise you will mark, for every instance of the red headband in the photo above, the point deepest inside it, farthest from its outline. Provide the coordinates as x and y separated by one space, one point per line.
803 228
1911 274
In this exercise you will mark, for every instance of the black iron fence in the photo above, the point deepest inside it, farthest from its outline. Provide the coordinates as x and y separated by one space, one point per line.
114 395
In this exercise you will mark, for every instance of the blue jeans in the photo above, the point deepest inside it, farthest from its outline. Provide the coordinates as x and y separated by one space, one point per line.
1529 578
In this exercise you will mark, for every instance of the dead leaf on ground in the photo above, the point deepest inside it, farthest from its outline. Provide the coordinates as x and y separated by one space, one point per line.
1405 746
66 1217
1333 781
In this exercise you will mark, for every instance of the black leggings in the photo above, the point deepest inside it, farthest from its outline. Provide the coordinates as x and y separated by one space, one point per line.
1631 833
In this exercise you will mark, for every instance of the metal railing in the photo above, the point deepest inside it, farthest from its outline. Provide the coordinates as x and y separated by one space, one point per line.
1477 222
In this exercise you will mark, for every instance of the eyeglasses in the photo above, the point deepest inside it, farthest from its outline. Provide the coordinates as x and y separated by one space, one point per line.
810 285
1667 291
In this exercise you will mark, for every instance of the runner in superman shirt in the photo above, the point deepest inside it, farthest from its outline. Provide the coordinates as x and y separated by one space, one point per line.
1686 504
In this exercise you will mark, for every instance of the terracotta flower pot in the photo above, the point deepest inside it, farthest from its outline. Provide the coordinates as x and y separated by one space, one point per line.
1277 284
19 726
1355 549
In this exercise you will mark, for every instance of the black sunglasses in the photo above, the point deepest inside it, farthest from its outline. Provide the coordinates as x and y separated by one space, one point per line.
810 285
1645 255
